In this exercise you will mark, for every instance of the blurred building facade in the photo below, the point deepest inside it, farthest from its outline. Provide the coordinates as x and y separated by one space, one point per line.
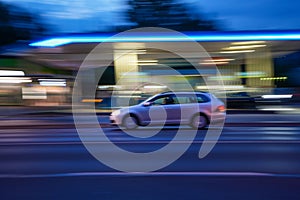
256 62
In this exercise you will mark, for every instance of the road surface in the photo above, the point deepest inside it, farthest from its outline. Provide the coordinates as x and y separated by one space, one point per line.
256 157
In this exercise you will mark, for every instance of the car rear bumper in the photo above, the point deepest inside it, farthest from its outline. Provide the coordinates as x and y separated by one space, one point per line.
218 116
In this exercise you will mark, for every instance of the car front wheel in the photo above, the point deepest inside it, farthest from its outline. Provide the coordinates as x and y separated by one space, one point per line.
130 122
199 121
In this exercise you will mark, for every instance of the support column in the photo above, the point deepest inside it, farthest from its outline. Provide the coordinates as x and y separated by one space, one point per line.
126 68
256 62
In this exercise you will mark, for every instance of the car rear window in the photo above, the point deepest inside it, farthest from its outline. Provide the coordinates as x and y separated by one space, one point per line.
202 98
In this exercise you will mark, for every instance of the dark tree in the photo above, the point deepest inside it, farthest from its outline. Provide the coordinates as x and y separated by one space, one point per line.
166 14
18 24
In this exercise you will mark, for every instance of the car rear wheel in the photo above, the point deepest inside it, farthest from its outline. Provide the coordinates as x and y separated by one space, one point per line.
130 122
199 121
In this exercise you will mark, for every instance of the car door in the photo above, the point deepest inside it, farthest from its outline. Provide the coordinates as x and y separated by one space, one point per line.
157 110
186 107
172 108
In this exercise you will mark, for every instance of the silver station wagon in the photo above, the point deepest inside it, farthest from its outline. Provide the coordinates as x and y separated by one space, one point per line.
171 108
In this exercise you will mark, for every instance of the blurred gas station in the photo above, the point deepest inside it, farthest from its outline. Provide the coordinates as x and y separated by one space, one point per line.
257 68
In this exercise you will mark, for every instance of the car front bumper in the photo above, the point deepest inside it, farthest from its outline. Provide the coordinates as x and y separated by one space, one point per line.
115 120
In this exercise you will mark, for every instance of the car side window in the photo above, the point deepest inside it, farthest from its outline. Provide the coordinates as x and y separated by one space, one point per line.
179 99
186 99
164 100
158 101
182 99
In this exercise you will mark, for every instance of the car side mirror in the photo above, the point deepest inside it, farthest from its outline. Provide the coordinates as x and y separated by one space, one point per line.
149 103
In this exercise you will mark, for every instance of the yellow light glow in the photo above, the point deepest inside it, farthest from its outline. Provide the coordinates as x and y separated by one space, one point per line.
92 100
244 47
248 42
220 60
213 63
273 78
242 51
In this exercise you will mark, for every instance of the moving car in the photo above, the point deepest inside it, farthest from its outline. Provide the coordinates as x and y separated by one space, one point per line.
240 100
193 108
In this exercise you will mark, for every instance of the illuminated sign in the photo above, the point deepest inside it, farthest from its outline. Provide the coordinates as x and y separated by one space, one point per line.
164 37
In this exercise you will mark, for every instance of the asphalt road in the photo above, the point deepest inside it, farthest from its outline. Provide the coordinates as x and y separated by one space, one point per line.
256 157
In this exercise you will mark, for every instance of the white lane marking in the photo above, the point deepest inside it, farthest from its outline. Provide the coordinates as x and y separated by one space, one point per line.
156 142
138 174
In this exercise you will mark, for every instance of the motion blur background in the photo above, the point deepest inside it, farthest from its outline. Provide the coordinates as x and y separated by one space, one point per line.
255 45
257 73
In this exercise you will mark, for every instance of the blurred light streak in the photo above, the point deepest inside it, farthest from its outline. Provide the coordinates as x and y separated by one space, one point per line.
204 87
145 64
155 86
11 73
56 80
222 78
51 43
14 80
164 37
251 74
52 83
279 96
244 47
213 63
131 92
92 100
241 51
278 109
108 86
34 93
219 60
130 96
147 61
273 78
248 42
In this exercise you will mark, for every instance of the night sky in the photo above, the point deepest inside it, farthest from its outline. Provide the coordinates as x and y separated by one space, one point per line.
91 15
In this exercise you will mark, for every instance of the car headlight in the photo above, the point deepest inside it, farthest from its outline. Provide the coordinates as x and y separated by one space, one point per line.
116 112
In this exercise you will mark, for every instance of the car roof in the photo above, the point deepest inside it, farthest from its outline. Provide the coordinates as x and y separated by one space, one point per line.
183 92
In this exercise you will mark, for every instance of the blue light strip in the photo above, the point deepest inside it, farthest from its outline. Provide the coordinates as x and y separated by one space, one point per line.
167 37
52 42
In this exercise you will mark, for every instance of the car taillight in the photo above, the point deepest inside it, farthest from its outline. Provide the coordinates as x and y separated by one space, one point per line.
221 108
